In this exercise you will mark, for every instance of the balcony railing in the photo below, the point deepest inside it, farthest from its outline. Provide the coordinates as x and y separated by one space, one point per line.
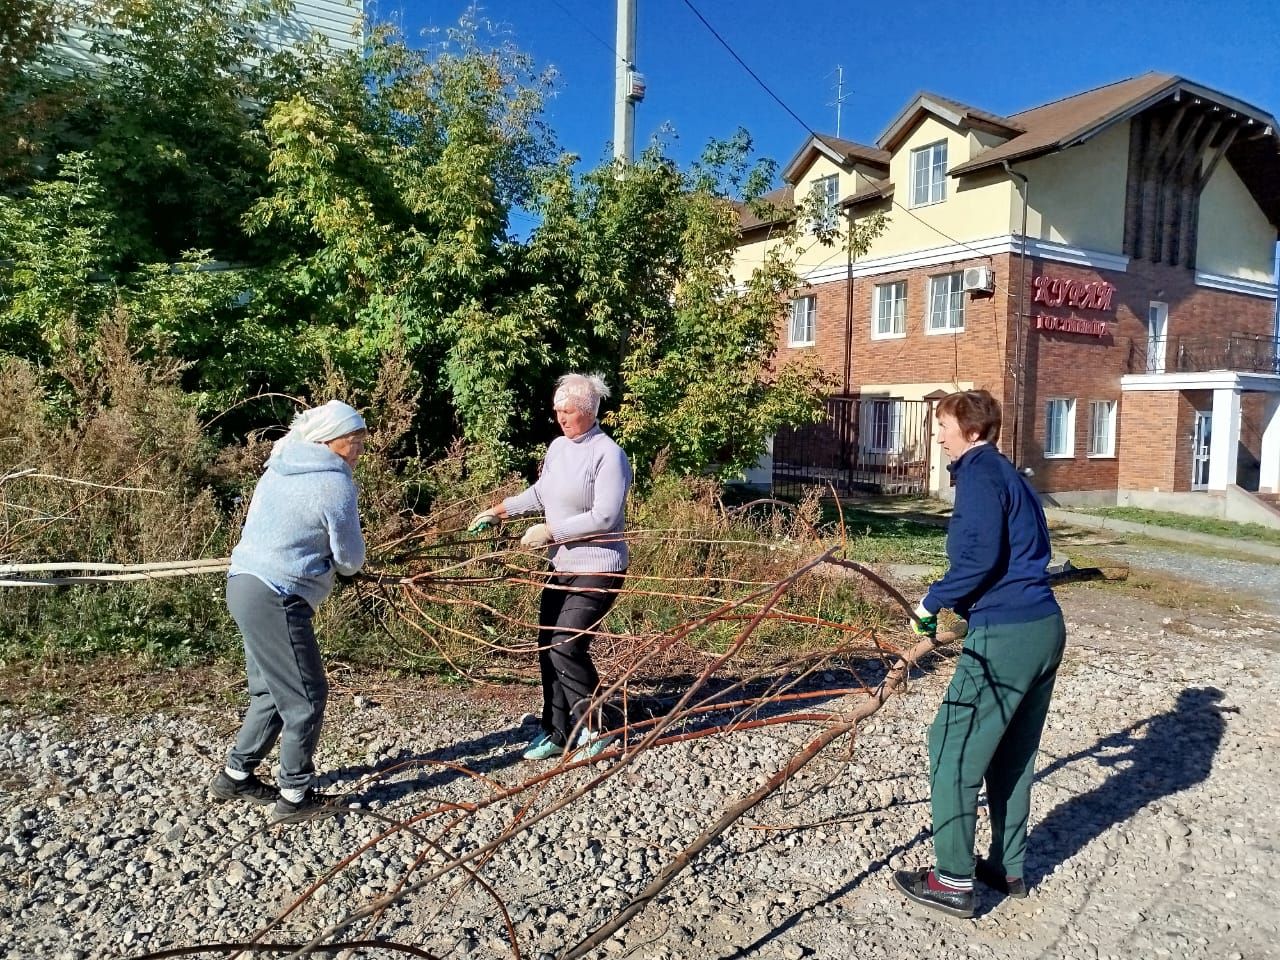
1243 353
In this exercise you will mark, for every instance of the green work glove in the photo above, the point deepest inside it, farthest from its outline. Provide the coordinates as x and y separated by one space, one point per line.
483 521
925 624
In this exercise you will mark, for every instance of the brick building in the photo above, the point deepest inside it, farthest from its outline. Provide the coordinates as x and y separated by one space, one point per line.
1103 264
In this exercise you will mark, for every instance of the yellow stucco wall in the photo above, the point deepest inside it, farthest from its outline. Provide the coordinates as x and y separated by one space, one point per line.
815 255
975 210
970 211
1235 239
1077 196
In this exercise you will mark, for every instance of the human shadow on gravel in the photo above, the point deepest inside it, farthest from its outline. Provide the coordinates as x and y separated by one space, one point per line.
753 949
1153 758
407 771
1156 757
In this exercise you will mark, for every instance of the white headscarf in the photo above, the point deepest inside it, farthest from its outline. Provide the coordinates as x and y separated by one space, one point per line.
322 424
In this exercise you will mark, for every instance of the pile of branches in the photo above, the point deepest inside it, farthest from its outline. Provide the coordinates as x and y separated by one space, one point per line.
442 583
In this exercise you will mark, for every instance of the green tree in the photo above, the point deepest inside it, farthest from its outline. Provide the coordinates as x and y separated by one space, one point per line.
33 93
639 261
391 181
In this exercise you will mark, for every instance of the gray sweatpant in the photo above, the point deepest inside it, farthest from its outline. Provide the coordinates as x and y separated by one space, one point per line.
287 685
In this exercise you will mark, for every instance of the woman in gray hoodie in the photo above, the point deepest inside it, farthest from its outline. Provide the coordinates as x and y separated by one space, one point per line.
303 526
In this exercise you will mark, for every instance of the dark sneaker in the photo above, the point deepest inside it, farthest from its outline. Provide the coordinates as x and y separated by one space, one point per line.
992 875
915 884
313 806
223 788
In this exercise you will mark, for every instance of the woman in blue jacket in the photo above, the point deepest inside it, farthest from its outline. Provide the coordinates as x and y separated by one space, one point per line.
989 725
303 527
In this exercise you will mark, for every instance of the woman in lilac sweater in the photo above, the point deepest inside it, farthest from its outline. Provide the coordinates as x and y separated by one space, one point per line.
581 493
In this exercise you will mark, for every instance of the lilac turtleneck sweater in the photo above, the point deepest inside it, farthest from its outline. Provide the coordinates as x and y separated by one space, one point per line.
582 492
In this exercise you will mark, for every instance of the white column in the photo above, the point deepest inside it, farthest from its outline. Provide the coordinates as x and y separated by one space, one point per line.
1224 443
1269 477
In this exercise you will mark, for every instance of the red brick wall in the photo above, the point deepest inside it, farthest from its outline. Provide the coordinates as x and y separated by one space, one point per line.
1148 463
1057 364
980 354
976 354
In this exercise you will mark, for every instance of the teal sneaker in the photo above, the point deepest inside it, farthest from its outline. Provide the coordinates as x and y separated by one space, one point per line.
543 748
592 744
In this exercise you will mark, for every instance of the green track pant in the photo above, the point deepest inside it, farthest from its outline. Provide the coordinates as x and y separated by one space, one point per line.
988 728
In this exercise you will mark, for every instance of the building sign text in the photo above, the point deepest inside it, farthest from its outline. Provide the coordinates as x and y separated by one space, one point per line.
1060 292
1093 328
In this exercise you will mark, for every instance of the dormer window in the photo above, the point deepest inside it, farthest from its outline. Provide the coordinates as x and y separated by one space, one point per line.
826 197
929 174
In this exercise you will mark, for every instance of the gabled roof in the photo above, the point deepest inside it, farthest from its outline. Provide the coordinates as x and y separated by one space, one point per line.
843 153
779 207
1067 122
952 111
869 191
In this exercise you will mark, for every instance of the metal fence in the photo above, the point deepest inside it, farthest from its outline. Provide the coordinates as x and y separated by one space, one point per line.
1245 353
874 444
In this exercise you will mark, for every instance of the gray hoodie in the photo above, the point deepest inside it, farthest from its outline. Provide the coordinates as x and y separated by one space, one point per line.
303 523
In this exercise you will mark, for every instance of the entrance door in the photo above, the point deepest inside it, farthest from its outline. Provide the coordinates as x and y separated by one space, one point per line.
1157 335
1200 450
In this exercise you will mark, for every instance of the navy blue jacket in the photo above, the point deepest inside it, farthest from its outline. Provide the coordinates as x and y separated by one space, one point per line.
997 543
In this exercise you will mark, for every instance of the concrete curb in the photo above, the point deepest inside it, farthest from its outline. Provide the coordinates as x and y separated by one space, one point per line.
1263 551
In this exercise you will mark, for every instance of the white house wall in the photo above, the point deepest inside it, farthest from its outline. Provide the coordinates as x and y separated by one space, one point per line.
340 22
1235 239
1077 196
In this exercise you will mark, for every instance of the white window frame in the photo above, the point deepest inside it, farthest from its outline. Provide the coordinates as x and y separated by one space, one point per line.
826 191
954 295
1102 412
893 295
929 174
809 305
1068 419
1157 335
884 434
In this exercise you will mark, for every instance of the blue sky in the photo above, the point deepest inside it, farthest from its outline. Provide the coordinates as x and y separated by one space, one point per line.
1000 56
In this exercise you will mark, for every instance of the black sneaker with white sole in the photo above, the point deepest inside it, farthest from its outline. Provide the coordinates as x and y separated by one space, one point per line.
313 806
915 884
224 788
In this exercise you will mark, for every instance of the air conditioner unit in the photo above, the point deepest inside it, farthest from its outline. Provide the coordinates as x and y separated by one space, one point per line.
979 278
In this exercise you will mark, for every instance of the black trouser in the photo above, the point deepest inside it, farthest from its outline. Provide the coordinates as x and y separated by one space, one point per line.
572 606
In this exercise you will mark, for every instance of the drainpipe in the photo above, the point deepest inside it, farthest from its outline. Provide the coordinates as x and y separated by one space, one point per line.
1019 366
848 303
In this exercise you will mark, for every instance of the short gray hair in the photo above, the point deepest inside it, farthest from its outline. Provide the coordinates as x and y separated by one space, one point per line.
584 391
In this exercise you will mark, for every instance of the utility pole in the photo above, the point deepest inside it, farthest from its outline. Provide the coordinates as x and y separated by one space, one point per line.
838 103
628 85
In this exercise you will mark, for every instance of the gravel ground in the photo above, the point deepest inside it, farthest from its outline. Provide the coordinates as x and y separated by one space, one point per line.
1153 824
1257 582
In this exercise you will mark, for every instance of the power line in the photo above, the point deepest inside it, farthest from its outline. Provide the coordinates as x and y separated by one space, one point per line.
585 29
813 133
733 53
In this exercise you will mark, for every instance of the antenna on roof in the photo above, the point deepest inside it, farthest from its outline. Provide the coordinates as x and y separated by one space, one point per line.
841 96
